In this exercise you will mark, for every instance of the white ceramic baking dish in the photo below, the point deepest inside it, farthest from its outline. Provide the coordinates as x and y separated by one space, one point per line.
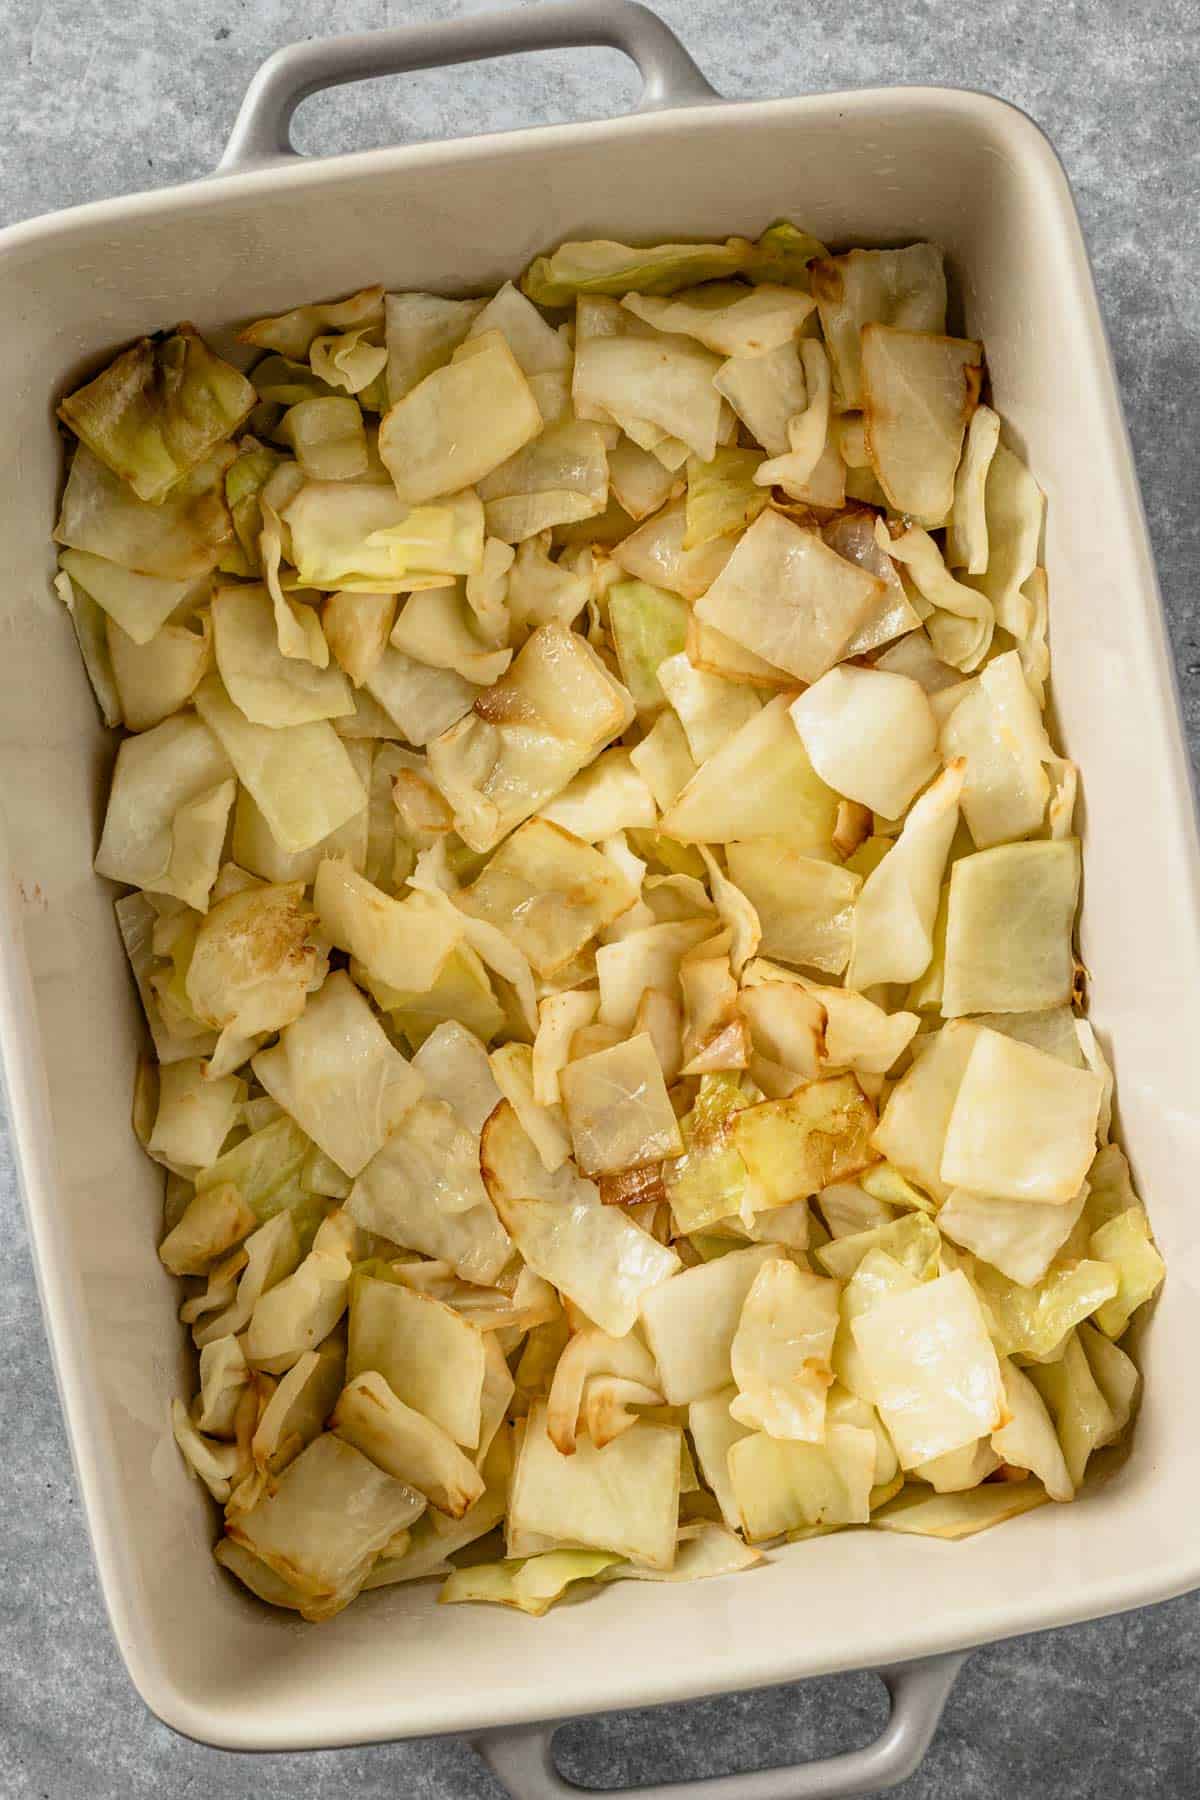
872 167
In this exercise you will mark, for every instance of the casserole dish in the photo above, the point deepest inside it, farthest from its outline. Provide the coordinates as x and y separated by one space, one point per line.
878 167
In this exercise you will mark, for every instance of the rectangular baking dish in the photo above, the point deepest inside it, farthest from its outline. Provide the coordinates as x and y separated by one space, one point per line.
875 167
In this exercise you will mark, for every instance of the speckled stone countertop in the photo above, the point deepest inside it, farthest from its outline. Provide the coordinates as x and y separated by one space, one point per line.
101 97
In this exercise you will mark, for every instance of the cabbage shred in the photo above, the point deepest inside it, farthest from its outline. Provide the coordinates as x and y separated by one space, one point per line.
603 894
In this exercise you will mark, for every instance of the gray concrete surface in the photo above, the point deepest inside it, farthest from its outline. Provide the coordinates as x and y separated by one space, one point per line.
102 97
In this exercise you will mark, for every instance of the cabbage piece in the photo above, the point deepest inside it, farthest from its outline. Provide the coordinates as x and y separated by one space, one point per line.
529 734
541 591
407 1446
560 1016
588 1354
905 288
933 1372
292 333
300 1311
714 1431
422 701
663 760
549 892
328 438
665 381
454 1067
896 910
858 1034
1008 929
337 1074
870 735
1031 641
878 1275
538 348
253 963
437 627
404 943
781 1350
349 360
589 1251
918 393
214 1463
1113 1372
716 654
637 479
916 1512
641 961
623 1498
1023 1125
268 687
710 709
1052 1030
728 318
1014 507
910 1241
1126 1244
214 1220
967 533
255 847
1027 1440
194 1115
607 797
223 1379
715 1034
849 1210
431 1357
360 537
600 266
146 839
180 539
422 332
267 1257
957 1470
423 1190
784 1486
559 477
264 1169
998 730
759 783
912 1130
357 628
654 553
300 776
711 1551
296 1412
617 1108
528 1584
1082 1418
690 1322
1021 1238
797 1146
785 595
159 409
805 905
155 679
811 463
1033 1322
139 604
512 1068
766 391
891 615
459 423
787 1023
961 622
710 1181
435 1536
722 496
648 626
487 589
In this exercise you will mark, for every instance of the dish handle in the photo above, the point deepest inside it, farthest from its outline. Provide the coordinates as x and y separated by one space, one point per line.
261 135
522 1756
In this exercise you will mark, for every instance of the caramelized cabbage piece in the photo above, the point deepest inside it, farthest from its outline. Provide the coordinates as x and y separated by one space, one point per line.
181 538
618 1109
904 288
549 891
160 409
